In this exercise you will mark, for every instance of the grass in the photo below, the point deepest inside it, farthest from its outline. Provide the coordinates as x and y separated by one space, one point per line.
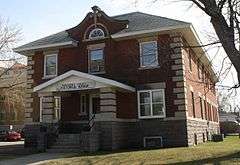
227 152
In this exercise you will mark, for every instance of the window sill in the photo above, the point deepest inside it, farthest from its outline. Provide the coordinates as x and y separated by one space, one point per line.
96 39
94 73
49 77
152 117
82 114
148 67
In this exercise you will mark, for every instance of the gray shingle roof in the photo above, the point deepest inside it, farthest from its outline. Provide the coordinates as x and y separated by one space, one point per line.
141 21
137 21
52 39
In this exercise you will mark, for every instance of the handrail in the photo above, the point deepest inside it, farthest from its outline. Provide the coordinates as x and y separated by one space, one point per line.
91 121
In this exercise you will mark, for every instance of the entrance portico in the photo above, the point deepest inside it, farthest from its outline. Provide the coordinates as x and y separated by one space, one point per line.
77 97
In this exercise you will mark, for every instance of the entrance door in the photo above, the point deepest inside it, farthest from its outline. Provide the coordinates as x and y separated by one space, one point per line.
94 106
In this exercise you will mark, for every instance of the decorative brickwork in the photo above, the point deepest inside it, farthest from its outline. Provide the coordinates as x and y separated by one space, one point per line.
29 91
108 105
179 91
47 109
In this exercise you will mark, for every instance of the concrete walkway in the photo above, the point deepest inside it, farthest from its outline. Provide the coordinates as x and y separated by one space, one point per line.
34 159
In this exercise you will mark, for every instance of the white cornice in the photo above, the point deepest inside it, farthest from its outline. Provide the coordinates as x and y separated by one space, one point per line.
69 43
86 76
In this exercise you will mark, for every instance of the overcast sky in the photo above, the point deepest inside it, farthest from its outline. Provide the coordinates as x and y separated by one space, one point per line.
44 17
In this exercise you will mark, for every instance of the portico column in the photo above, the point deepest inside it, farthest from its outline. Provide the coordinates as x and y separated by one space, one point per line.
47 107
108 105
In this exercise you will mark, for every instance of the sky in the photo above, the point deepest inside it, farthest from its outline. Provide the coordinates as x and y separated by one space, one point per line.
38 19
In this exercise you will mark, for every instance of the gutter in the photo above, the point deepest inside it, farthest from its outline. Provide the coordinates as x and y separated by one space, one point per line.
69 43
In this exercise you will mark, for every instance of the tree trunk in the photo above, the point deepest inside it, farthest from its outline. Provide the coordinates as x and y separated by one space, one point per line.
226 37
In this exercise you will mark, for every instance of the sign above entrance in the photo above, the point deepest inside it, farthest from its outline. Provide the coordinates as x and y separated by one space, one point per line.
75 86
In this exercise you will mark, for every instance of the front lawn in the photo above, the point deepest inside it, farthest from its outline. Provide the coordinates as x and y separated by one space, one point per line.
227 152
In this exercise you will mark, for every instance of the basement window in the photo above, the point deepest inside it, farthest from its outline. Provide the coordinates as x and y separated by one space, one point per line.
151 104
152 142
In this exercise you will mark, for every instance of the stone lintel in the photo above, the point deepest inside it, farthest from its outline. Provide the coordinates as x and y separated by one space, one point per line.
108 116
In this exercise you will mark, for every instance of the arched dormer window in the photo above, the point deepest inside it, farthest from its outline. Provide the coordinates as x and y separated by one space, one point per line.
96 33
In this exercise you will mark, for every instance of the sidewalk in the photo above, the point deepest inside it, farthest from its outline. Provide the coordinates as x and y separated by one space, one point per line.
34 159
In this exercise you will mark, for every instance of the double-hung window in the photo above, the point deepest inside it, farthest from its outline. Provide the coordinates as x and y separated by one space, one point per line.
201 106
193 104
151 103
96 61
199 71
149 54
50 65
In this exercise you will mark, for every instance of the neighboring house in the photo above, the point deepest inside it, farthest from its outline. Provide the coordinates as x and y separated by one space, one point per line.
117 82
12 92
229 122
228 117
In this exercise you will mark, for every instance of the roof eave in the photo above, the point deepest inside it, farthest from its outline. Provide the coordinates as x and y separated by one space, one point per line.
129 34
204 51
27 50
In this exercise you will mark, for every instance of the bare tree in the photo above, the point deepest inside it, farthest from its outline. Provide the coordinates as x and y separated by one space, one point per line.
9 35
224 102
225 18
12 80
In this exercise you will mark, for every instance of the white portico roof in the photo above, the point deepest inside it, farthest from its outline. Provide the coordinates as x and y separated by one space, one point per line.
75 80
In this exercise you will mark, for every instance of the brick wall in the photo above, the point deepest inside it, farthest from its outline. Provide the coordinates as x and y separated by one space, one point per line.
199 88
121 64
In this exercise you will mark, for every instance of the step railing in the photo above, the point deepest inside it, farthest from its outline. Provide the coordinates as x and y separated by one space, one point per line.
91 122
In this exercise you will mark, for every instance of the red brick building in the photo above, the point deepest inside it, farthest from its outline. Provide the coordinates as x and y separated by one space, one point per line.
130 80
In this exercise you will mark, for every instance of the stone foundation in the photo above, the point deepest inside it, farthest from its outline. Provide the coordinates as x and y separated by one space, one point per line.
200 131
31 135
112 135
117 135
173 132
120 135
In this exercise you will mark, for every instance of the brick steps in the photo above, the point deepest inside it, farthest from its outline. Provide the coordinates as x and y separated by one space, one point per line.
64 150
66 143
65 147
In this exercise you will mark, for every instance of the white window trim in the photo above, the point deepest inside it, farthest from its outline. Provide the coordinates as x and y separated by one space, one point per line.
85 104
151 116
45 62
41 110
140 47
89 61
59 117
